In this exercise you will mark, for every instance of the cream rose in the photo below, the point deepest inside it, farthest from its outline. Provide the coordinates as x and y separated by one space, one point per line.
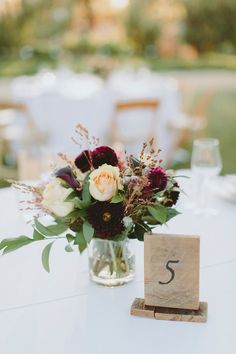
54 196
104 182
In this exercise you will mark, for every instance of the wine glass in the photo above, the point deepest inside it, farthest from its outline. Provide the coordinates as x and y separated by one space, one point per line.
205 164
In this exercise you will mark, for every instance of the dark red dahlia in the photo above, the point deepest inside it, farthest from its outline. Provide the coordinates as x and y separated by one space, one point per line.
104 154
147 193
106 219
66 174
171 195
83 161
158 179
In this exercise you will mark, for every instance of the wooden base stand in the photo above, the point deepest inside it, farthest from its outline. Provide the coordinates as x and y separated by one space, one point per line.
139 308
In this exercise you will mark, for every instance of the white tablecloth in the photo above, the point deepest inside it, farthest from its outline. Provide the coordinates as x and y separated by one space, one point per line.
63 313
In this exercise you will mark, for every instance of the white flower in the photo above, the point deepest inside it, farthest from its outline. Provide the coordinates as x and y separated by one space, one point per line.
104 182
54 196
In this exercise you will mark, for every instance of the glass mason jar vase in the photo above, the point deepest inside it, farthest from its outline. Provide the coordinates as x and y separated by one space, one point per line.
111 263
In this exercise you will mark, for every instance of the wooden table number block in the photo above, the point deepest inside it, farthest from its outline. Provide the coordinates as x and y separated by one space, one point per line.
171 279
171 271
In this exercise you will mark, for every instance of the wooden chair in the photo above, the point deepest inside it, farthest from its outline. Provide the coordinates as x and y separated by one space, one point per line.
10 133
117 137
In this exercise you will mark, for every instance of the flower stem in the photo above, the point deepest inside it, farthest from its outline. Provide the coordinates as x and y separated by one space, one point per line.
113 256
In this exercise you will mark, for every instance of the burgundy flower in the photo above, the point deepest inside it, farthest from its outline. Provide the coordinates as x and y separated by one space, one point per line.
158 179
83 161
106 219
147 193
67 175
171 195
104 154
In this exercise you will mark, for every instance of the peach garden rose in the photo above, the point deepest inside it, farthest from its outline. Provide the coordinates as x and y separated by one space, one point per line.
104 182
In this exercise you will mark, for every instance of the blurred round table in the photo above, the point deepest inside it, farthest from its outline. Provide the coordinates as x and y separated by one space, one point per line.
60 100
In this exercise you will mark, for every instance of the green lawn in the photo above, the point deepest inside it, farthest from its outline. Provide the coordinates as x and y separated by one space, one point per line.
221 116
14 66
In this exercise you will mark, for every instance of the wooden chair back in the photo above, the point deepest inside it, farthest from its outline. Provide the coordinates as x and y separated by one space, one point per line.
126 106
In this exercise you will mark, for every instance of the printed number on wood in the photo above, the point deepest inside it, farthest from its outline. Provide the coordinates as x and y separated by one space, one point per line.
171 271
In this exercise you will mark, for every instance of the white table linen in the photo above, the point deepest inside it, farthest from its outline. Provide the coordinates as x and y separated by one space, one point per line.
64 313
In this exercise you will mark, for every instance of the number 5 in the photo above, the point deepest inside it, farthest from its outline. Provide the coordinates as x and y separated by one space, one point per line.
171 271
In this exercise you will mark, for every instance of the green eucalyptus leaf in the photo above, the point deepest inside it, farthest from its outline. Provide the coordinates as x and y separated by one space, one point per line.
37 236
159 213
80 241
171 213
88 231
45 256
70 238
12 244
51 230
57 229
68 248
43 229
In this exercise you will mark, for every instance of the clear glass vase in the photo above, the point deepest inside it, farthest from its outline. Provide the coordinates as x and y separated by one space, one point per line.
111 263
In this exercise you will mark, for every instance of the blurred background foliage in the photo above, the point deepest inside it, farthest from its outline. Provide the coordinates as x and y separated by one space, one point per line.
211 25
101 35
165 34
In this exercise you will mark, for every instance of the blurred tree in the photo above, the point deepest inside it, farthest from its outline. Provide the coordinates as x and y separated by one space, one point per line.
142 27
37 23
211 25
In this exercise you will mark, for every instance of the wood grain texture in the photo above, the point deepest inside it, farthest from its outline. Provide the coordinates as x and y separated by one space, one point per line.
171 271
168 314
139 308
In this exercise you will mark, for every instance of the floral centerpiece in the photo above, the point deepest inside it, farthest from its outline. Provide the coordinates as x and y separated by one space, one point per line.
101 200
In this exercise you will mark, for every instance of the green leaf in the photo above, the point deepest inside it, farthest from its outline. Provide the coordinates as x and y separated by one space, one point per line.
45 256
80 241
139 231
57 229
149 219
171 213
43 229
51 230
81 204
73 215
88 231
12 244
159 213
117 198
71 196
37 236
68 248
70 238
86 197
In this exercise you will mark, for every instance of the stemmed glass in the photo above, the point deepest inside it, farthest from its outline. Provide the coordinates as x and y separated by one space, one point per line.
206 164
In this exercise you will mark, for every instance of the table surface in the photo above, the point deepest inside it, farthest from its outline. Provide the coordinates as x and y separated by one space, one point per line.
64 313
